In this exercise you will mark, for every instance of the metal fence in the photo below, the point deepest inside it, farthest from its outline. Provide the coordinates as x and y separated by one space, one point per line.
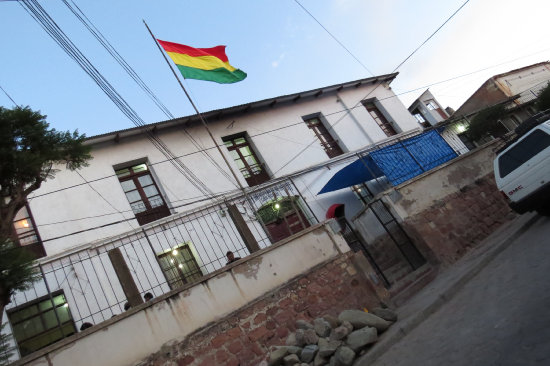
171 253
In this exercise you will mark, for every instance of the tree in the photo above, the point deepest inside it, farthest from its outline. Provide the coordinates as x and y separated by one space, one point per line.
487 122
543 100
29 150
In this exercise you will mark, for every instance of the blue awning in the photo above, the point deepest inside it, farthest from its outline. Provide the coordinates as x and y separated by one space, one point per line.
399 162
361 170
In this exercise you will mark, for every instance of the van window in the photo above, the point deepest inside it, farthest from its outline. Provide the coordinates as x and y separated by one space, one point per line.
527 148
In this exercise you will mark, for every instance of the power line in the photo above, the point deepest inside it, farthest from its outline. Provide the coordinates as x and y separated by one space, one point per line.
377 85
5 92
81 16
301 122
333 37
56 33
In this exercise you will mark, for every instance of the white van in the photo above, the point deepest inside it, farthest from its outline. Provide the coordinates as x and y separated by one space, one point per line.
522 167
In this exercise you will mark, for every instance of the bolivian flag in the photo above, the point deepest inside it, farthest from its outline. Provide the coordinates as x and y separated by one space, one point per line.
209 64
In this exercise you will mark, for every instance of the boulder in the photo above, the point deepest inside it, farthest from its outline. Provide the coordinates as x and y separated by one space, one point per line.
276 356
327 348
339 333
302 324
348 325
322 327
294 350
291 340
343 357
332 320
308 353
310 337
291 360
360 319
385 314
300 337
319 361
362 337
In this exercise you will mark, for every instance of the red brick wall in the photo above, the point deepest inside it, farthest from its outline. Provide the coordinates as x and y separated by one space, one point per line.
244 337
460 221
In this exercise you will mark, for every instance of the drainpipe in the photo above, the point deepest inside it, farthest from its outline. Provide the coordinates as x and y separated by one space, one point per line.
350 113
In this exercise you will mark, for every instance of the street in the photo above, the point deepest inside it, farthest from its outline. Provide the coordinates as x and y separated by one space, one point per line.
500 317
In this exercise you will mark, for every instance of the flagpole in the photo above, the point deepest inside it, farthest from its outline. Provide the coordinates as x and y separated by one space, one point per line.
196 109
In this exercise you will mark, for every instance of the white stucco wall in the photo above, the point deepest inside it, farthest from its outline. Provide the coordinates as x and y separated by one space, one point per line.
522 80
134 335
67 205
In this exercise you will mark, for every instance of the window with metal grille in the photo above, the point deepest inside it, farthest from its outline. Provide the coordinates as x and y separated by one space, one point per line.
246 159
179 266
142 193
384 124
329 144
363 193
26 233
41 322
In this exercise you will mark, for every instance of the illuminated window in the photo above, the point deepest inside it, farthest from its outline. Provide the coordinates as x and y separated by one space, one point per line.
363 193
42 322
329 144
142 193
246 160
26 233
179 266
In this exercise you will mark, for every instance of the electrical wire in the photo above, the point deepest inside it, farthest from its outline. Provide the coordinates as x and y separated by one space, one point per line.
325 115
50 26
79 14
336 39
331 127
7 95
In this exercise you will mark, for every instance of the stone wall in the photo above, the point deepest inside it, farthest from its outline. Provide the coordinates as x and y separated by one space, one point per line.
459 221
245 336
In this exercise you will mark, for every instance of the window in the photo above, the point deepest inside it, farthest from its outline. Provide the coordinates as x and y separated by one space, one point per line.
179 266
41 322
363 193
420 118
142 193
245 159
386 126
329 144
432 105
526 149
26 233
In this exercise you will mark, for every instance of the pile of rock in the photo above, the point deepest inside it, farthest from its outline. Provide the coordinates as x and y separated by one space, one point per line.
332 341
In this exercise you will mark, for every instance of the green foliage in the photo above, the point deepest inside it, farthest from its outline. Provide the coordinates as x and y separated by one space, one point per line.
29 149
16 270
543 100
6 351
486 122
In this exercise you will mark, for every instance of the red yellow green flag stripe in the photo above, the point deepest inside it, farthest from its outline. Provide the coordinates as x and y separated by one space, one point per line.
209 64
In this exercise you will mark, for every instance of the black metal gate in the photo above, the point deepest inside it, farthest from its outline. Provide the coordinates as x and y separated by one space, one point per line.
384 242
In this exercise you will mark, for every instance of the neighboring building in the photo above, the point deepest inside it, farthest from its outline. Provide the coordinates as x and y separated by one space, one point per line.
517 90
427 110
429 113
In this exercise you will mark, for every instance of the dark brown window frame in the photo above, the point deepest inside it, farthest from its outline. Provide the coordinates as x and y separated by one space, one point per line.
36 247
380 119
329 143
150 213
257 173
168 266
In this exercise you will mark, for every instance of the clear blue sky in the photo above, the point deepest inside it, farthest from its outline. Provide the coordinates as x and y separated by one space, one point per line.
282 49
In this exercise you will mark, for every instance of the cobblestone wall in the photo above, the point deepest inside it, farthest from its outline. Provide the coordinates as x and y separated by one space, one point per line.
244 337
452 225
